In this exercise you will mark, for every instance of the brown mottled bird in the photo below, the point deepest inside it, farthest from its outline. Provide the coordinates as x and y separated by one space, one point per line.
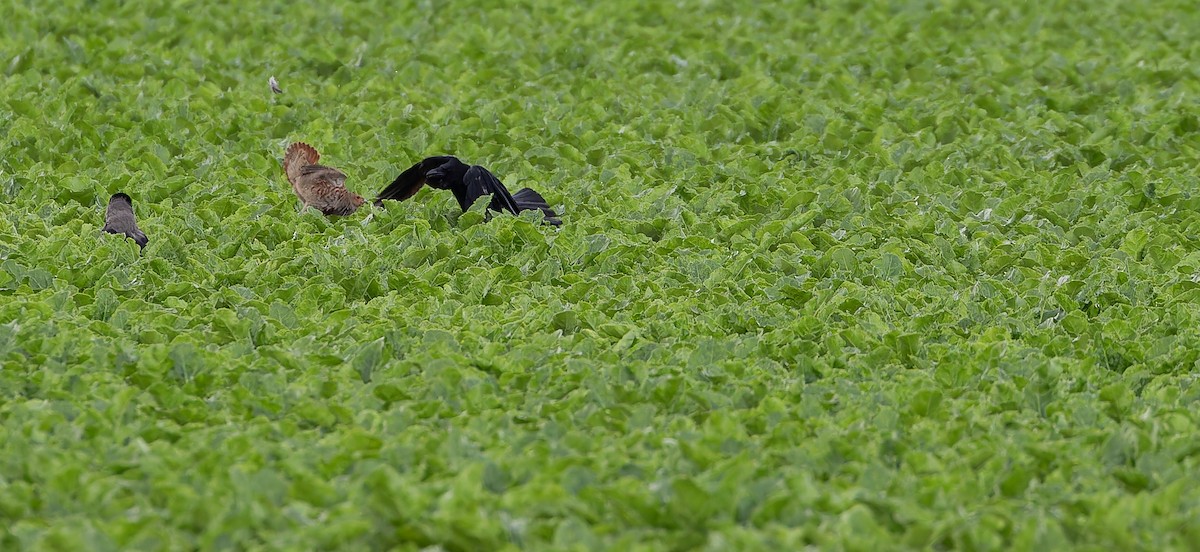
318 186
119 219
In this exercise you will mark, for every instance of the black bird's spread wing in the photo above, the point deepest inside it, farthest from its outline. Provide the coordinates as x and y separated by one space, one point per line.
480 182
410 181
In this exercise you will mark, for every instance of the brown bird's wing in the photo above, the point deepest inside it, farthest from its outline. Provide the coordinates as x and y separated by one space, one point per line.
331 199
297 157
321 173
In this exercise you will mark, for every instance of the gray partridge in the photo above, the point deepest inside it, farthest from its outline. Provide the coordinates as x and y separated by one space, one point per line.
318 186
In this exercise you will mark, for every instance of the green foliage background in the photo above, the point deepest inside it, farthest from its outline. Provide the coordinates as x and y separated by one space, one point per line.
854 275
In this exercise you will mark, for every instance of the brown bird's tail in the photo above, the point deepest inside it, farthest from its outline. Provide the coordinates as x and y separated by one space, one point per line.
298 155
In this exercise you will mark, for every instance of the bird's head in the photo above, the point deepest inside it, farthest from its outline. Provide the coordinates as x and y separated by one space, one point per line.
446 175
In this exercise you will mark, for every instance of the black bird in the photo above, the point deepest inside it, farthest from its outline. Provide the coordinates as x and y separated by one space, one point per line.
119 219
467 183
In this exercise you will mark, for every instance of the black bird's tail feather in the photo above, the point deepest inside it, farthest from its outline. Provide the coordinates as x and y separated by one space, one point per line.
527 199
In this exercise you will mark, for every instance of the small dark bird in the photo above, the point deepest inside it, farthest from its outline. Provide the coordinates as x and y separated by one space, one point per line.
119 219
274 85
467 183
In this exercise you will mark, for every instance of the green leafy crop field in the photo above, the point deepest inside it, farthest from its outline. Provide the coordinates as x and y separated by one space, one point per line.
837 275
